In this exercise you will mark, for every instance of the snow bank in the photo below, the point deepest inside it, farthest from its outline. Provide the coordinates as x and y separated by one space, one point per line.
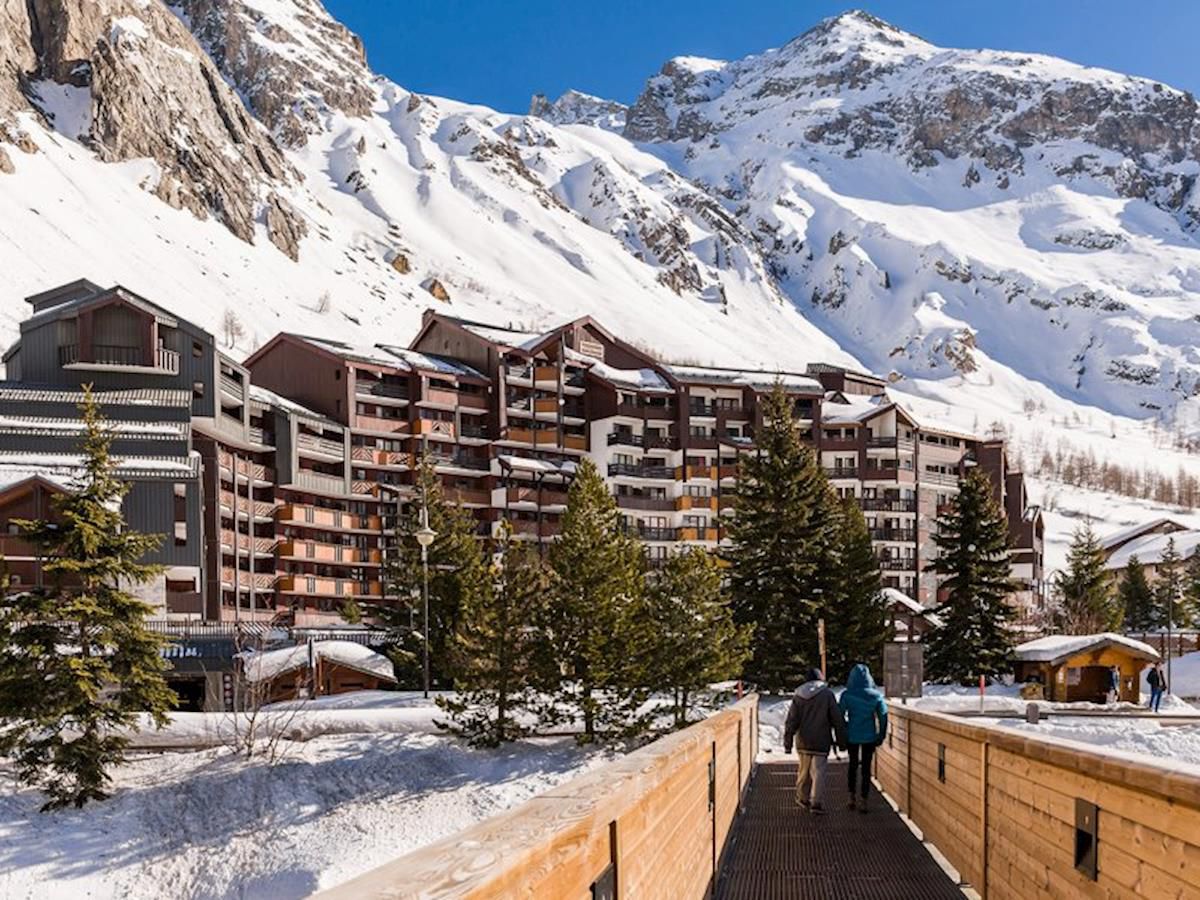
210 824
1185 675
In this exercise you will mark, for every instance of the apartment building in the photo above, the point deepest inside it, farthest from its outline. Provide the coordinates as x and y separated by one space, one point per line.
302 454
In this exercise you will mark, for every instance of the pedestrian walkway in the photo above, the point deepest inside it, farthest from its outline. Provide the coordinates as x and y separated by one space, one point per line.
780 852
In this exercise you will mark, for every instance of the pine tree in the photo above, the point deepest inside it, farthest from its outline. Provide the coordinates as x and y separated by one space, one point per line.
497 651
1085 593
691 638
1168 588
458 571
1190 607
1137 598
973 556
856 619
598 582
777 538
77 661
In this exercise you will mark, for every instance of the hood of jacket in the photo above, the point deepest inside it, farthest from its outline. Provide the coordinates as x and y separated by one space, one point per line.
810 689
860 679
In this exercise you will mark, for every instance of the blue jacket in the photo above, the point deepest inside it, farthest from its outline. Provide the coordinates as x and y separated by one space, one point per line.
863 706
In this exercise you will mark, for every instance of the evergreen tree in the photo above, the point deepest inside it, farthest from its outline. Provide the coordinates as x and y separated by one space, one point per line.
856 620
690 637
1190 607
458 572
1086 601
598 582
1168 589
777 538
1137 598
975 637
77 661
497 649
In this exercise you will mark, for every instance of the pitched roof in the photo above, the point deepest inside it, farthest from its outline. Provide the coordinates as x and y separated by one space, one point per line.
1116 538
154 397
1149 548
1056 648
759 379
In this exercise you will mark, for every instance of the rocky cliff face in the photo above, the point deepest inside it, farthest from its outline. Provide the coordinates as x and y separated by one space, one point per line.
293 67
129 80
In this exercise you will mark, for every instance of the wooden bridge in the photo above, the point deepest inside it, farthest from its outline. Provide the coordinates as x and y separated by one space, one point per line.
1008 814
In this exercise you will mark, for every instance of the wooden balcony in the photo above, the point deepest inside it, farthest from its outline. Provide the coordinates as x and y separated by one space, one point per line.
320 482
317 586
331 553
656 504
467 496
544 497
545 374
319 517
888 473
261 509
545 405
320 446
727 471
245 468
699 534
373 456
434 428
689 502
262 581
262 546
696 472
384 424
119 358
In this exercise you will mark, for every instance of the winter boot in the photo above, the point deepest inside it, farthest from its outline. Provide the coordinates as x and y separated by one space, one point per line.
862 805
851 803
817 809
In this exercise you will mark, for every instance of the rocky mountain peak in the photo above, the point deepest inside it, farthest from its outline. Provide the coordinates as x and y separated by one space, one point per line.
577 108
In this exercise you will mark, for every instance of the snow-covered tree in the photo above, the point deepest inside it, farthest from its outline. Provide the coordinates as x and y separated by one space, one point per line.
975 637
77 661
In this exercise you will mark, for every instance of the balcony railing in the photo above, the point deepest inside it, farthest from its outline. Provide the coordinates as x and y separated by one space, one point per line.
335 553
319 482
381 389
328 587
898 564
841 471
458 461
635 471
656 534
904 535
232 386
887 504
633 501
321 445
689 502
119 355
319 517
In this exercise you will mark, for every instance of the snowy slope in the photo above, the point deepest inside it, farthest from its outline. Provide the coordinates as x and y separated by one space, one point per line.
857 195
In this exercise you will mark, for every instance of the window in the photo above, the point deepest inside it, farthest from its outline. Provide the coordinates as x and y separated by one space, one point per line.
181 528
197 349
197 390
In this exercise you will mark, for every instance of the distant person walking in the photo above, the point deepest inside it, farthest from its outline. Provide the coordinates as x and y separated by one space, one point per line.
866 727
814 722
1114 684
1158 684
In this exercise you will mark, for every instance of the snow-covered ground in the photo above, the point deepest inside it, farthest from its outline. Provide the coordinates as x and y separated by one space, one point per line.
211 824
1142 736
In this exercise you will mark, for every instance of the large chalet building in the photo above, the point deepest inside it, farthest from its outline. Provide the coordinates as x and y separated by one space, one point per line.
282 474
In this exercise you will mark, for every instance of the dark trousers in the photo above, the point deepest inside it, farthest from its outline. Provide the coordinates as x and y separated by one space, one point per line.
860 754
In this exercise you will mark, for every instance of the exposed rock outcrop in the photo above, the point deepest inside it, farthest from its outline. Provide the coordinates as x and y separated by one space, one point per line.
577 108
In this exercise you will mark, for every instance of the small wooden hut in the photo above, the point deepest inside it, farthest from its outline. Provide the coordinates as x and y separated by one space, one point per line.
319 668
1078 667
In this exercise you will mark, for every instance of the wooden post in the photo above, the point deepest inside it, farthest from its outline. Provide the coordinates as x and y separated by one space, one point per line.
821 645
983 819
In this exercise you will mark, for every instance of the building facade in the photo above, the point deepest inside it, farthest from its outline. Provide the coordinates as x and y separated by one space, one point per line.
300 455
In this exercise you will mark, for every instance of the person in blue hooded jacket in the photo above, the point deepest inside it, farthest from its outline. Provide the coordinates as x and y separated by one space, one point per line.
866 726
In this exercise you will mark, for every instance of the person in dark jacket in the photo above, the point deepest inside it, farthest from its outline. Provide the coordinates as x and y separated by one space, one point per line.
814 722
866 727
1158 684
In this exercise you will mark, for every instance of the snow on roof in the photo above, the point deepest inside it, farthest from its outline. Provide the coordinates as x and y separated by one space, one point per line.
524 464
893 596
1119 537
634 379
755 378
66 466
263 395
270 664
415 359
1149 548
1056 647
136 397
46 425
505 337
857 409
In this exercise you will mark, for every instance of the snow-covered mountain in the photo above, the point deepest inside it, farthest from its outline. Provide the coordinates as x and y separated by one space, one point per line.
993 229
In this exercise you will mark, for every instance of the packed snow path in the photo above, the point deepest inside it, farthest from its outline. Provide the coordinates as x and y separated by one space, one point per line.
782 853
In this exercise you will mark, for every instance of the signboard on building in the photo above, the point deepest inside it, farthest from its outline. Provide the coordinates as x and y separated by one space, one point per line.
903 669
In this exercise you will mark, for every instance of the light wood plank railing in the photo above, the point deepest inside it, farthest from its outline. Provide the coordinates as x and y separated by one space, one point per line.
1003 807
660 817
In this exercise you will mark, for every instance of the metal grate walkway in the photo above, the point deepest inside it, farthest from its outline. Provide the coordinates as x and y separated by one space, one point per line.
780 852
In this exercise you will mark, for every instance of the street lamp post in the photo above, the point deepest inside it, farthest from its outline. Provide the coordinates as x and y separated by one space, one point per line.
425 536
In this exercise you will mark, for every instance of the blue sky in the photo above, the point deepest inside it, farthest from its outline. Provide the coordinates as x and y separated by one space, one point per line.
500 52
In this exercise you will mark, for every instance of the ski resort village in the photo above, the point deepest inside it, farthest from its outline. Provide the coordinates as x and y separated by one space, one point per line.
772 476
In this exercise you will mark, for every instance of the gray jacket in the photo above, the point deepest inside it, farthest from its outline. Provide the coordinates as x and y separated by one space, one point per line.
812 718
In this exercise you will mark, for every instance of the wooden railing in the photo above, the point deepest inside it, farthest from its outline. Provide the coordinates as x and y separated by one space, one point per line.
1009 810
655 821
